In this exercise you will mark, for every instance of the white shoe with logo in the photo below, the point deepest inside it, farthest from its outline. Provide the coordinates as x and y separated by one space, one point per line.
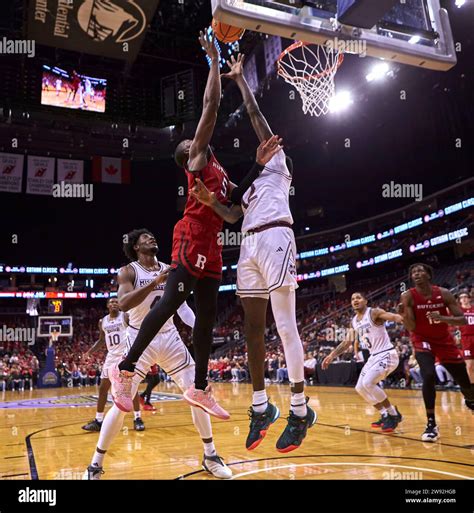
431 433
216 466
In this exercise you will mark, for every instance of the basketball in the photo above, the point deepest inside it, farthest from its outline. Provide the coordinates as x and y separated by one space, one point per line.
226 33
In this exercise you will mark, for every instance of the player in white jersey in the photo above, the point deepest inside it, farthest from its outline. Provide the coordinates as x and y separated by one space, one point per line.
266 270
368 328
141 284
112 335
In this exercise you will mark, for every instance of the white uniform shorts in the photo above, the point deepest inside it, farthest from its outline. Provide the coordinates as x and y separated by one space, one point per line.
110 360
379 366
168 351
266 262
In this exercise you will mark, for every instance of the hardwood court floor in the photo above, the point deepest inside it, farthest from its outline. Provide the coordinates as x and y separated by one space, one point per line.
48 443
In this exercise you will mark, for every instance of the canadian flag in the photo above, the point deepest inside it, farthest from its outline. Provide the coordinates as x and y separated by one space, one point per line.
110 170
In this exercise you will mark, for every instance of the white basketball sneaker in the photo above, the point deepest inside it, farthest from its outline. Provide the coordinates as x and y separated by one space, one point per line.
216 466
93 473
431 433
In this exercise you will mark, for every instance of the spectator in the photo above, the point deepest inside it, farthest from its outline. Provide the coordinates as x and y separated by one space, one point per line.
310 367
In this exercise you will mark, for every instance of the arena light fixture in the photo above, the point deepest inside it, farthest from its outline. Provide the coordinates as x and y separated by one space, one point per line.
340 102
460 3
378 72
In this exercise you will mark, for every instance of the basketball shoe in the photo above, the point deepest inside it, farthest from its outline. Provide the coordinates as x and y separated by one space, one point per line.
138 424
379 423
259 424
122 388
295 431
203 399
431 433
93 425
216 466
93 473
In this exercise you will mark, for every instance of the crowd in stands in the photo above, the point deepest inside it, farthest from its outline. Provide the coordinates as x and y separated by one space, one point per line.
319 323
74 369
19 367
320 336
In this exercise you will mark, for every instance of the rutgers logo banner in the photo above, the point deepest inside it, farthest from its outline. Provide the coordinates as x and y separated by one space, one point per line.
40 175
112 28
11 172
71 171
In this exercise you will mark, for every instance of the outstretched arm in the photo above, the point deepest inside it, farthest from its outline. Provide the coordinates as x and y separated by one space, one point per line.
211 103
230 214
259 122
379 315
265 153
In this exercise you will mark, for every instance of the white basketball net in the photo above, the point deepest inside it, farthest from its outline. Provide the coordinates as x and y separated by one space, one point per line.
311 72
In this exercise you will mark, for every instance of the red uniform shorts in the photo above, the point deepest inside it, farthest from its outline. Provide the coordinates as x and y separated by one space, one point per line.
445 350
467 343
197 248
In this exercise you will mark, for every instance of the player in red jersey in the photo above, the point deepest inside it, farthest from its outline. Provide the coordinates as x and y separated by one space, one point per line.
467 333
197 254
152 379
427 310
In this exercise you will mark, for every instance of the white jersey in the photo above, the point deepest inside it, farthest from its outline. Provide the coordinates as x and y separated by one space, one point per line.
268 199
374 337
144 277
115 334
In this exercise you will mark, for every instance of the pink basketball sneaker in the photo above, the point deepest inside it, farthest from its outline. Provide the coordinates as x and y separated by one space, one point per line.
203 399
122 388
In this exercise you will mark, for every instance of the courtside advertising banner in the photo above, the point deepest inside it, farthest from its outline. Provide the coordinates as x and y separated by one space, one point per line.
112 28
11 172
40 175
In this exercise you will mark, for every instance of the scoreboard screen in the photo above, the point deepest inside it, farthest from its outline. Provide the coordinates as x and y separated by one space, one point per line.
55 306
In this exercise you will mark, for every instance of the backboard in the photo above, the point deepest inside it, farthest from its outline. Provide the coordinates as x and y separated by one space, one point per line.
413 32
51 323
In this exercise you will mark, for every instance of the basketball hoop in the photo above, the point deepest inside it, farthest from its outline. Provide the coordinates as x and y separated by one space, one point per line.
54 337
311 73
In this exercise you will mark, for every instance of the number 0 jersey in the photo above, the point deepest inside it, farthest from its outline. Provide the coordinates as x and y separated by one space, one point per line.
143 277
373 336
115 334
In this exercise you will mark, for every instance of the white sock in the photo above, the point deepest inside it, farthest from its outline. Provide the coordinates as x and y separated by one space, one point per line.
259 401
136 414
209 449
392 410
298 404
383 411
99 416
98 459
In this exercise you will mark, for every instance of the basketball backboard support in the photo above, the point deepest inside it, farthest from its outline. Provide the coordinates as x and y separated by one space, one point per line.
414 32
